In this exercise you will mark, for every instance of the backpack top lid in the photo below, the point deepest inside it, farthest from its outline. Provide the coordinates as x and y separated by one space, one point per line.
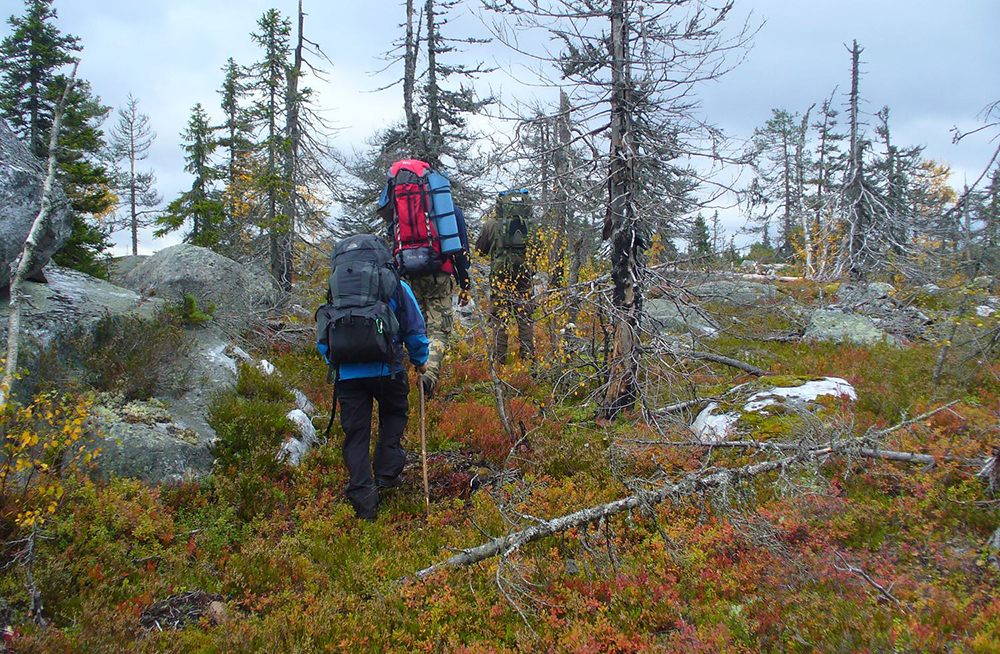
361 272
361 247
415 166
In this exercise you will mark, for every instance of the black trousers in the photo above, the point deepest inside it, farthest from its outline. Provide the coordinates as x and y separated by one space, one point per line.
355 397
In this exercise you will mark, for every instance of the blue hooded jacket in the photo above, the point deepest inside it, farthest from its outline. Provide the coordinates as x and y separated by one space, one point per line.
412 332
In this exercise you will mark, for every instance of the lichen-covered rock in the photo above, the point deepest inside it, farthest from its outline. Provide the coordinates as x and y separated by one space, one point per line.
237 291
713 425
840 327
168 438
21 177
984 283
734 292
866 298
665 314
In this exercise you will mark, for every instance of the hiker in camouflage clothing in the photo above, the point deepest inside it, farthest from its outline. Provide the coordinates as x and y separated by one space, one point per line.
434 294
504 238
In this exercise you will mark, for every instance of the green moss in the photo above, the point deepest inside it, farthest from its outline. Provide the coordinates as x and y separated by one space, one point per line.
787 381
770 423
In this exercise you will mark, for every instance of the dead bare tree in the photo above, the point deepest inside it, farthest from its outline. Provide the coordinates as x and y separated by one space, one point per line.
635 67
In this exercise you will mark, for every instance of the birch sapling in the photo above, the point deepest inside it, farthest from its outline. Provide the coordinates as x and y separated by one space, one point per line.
24 263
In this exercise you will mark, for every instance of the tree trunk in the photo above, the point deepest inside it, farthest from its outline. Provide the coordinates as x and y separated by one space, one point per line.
26 261
411 48
855 225
561 192
294 135
620 226
800 184
506 545
134 223
433 92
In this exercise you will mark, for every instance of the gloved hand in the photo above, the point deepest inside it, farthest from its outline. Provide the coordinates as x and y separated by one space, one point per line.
463 298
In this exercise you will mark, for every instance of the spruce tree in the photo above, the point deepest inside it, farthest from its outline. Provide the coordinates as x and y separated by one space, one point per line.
201 205
699 241
269 82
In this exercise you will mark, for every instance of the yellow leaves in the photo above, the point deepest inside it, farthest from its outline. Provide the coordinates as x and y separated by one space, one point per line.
37 436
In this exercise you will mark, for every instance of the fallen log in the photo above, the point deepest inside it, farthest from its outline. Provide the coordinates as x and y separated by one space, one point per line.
510 543
888 455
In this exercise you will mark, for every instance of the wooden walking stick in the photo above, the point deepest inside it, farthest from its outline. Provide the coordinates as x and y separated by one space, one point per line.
423 446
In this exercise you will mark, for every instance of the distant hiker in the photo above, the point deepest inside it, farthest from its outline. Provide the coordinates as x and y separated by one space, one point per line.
370 313
504 238
431 246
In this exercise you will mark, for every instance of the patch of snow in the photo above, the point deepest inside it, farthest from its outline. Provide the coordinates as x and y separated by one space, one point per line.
712 427
294 449
302 402
266 367
218 355
984 311
807 392
240 353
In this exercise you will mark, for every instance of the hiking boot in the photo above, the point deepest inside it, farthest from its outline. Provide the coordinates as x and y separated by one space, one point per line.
388 482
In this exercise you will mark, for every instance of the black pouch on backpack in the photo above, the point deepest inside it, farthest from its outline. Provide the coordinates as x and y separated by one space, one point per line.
417 262
358 335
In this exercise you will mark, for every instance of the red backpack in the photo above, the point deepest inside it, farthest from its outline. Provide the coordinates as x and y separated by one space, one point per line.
417 248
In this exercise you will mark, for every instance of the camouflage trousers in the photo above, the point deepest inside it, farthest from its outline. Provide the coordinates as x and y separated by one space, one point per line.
434 295
511 297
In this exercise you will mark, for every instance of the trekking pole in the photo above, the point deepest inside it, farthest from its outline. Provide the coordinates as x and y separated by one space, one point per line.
423 446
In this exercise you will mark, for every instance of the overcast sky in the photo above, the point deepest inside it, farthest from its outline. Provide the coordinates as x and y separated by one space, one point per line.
935 64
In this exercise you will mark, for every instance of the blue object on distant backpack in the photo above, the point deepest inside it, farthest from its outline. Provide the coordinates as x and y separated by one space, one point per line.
443 212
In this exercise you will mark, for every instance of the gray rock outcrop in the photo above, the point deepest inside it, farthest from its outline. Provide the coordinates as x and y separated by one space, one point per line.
734 292
238 291
665 314
866 298
840 327
119 267
21 177
69 303
168 438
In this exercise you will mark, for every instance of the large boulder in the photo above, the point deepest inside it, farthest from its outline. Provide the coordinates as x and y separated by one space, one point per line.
70 303
667 314
840 327
119 267
237 290
21 177
734 292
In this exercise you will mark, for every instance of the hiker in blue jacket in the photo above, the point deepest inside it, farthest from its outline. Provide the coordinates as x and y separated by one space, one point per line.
357 385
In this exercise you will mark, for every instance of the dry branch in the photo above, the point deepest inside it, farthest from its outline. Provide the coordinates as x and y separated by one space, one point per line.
888 455
724 360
